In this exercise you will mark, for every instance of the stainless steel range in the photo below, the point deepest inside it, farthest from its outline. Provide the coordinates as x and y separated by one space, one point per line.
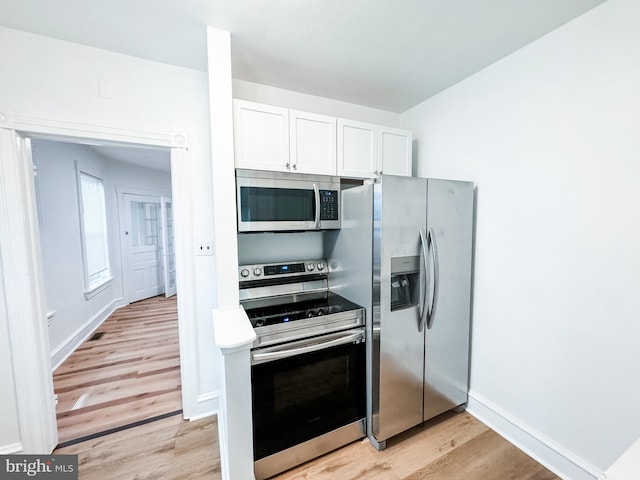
307 364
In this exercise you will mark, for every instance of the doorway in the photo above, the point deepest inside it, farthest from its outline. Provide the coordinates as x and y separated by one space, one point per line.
108 372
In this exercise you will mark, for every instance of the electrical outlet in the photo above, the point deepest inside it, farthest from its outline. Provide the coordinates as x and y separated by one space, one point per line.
204 248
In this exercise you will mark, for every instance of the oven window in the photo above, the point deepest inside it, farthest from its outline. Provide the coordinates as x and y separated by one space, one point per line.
258 204
302 397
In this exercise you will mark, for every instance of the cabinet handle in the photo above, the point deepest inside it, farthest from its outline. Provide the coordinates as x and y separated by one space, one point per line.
295 166
288 166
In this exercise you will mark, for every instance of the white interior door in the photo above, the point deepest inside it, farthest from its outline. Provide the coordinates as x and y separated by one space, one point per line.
143 245
168 247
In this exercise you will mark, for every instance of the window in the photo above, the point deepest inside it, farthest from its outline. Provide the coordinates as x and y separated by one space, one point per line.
93 220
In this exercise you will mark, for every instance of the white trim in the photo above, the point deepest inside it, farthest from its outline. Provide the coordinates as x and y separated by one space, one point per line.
30 350
553 456
181 174
210 403
100 287
179 140
11 449
90 290
24 296
205 397
78 130
73 341
211 397
122 189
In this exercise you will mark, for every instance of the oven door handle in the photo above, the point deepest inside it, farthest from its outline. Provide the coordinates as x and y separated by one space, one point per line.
309 346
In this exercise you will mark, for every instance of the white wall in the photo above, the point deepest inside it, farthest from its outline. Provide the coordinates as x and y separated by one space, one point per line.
56 82
56 185
255 92
551 135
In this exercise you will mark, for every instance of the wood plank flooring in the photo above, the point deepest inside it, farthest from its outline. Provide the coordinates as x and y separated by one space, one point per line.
130 374
453 447
169 449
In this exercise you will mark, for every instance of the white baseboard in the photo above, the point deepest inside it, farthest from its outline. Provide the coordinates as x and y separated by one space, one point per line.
556 458
67 347
207 404
11 449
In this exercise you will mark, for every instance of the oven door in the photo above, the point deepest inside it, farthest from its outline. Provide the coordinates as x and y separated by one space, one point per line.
304 389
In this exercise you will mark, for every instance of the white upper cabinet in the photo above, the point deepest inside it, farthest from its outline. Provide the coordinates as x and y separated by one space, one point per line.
366 150
283 140
312 143
394 150
261 136
357 149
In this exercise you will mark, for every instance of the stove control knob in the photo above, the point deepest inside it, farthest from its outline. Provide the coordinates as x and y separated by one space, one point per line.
244 273
310 267
257 272
320 266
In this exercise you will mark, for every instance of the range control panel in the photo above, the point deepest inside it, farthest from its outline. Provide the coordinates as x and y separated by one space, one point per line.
248 273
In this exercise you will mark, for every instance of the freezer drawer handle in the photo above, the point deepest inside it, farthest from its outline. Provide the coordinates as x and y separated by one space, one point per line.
431 237
422 311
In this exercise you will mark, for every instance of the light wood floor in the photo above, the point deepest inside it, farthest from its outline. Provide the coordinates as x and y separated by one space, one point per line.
130 374
451 447
454 447
168 449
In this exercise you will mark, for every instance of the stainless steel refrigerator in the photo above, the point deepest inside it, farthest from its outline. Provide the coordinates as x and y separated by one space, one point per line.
405 253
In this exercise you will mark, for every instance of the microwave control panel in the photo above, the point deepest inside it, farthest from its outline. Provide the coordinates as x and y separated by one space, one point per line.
329 205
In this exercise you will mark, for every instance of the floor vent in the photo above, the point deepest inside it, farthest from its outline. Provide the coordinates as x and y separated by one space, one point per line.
96 336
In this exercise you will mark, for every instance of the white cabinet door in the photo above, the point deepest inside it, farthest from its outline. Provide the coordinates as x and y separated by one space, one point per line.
261 136
357 149
394 149
313 143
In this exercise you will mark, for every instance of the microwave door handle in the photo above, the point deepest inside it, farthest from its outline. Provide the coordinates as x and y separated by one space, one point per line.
422 308
316 193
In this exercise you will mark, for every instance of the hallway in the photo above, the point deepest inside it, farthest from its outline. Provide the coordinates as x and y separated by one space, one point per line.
128 371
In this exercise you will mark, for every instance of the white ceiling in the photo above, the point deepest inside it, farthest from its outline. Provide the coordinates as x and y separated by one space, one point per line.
387 54
155 158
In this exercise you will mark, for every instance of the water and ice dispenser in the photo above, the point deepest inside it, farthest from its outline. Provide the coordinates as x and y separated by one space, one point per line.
405 282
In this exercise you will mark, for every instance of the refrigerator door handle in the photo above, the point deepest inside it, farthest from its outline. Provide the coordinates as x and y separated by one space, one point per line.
316 194
431 237
422 310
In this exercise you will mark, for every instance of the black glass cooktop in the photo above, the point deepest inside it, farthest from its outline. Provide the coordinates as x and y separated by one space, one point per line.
326 303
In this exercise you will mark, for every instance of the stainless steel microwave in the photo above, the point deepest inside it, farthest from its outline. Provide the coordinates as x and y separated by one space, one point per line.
277 202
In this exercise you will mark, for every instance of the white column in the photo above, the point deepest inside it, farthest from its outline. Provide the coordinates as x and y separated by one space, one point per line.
224 190
232 329
234 336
